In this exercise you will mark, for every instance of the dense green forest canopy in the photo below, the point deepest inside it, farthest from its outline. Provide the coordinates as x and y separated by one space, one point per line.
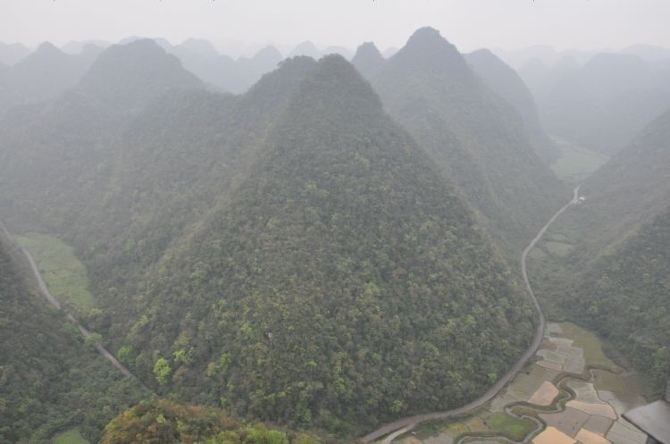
625 297
264 251
162 421
292 296
303 247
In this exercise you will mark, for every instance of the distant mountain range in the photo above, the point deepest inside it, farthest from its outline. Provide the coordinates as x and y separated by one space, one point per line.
197 55
597 100
604 103
12 53
43 75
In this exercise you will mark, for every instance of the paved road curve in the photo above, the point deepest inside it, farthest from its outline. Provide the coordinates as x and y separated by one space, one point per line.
412 421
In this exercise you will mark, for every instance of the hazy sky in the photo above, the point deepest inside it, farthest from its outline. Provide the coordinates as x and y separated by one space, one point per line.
244 25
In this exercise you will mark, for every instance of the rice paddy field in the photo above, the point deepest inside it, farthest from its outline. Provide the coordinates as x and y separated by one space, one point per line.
571 393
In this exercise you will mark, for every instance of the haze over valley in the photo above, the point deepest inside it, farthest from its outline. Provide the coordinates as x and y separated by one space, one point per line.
209 241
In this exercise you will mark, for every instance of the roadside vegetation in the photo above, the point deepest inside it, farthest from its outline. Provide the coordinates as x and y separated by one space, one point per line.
168 422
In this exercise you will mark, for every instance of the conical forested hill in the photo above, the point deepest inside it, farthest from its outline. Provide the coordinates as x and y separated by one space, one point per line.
43 75
368 60
476 138
131 75
307 49
342 284
120 186
55 156
178 158
48 71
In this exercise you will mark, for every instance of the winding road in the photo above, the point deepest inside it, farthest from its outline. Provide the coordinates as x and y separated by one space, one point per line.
412 421
84 332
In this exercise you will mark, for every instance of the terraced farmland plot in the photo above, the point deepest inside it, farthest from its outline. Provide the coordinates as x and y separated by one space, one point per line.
559 398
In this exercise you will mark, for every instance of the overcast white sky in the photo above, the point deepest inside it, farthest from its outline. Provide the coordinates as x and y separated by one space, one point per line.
244 25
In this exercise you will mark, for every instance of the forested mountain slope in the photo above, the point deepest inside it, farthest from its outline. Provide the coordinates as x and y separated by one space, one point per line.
121 175
476 138
55 157
312 295
507 84
615 279
625 296
49 380
180 157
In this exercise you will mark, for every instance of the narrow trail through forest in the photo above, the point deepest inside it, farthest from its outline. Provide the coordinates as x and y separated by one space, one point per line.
413 421
84 332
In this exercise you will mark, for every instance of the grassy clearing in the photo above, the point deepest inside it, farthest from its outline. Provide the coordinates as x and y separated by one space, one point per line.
627 384
499 424
71 436
593 351
513 428
63 273
576 163
560 249
453 428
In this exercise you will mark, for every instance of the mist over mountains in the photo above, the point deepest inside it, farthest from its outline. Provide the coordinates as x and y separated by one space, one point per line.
298 249
430 88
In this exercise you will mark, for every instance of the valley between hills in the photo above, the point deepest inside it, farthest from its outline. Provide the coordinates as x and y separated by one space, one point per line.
561 379
413 245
